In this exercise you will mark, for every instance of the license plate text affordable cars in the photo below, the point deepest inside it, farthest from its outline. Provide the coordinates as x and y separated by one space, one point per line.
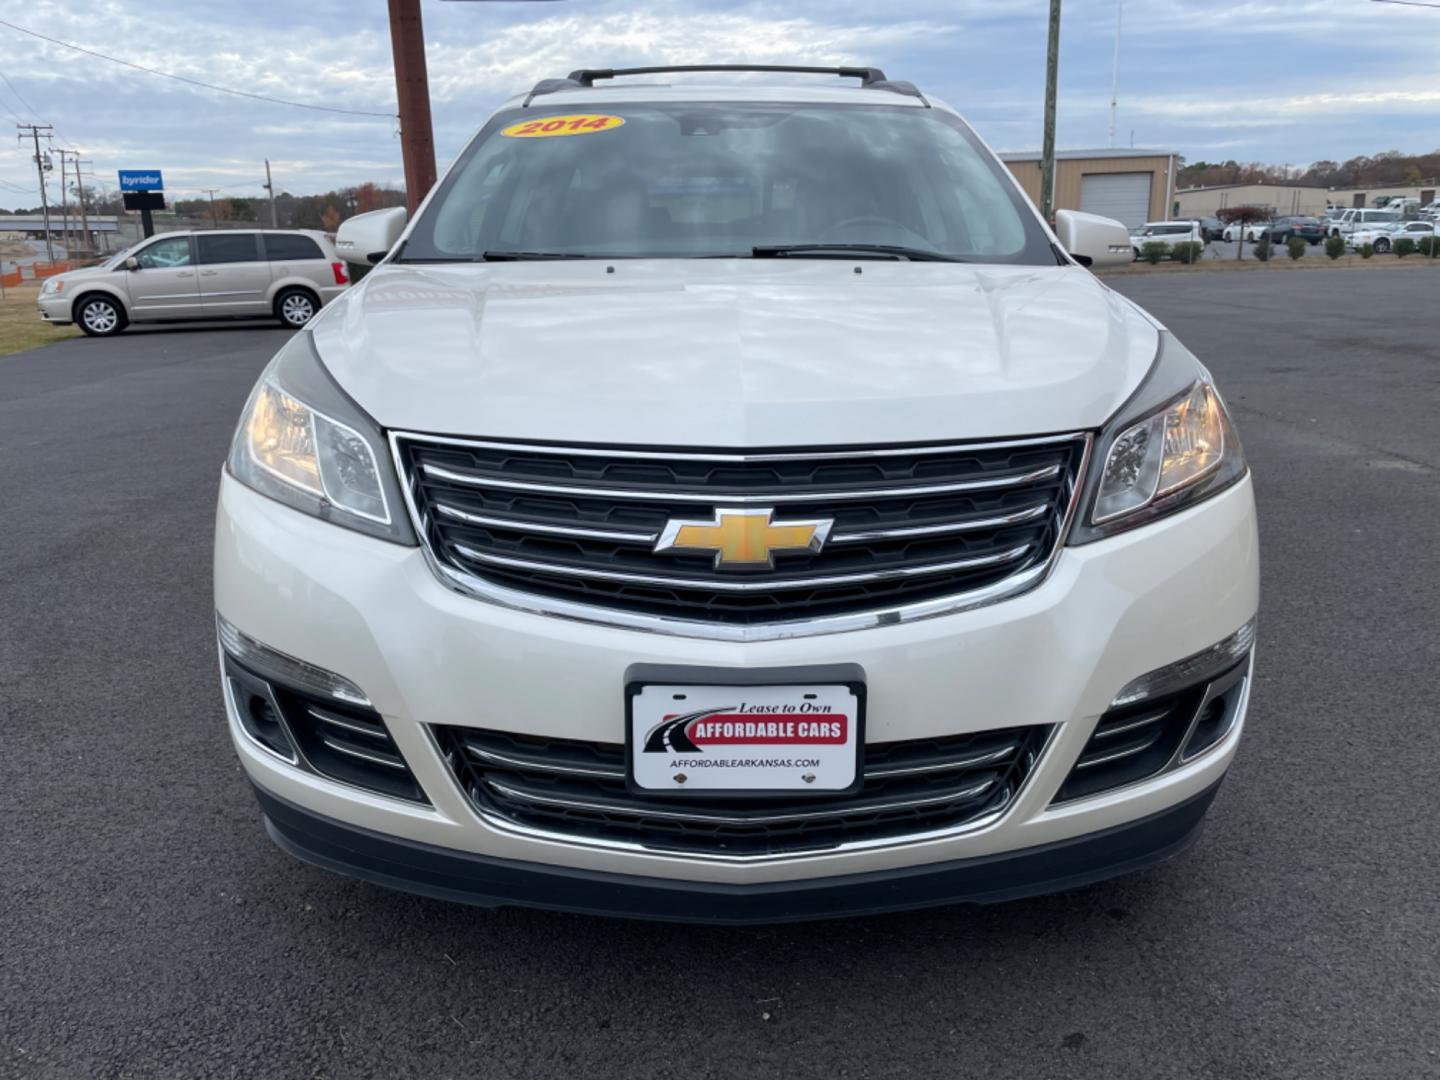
744 739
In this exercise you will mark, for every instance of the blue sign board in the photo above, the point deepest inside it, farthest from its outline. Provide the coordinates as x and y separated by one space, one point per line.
141 180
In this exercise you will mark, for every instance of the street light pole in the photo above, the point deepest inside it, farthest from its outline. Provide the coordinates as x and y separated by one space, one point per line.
412 90
1047 153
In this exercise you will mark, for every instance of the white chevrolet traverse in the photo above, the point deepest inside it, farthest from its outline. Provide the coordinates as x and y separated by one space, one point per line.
733 503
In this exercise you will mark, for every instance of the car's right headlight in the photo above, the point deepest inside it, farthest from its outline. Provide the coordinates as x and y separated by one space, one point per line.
303 442
1170 446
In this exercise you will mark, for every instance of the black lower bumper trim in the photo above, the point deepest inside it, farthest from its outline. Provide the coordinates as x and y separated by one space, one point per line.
447 874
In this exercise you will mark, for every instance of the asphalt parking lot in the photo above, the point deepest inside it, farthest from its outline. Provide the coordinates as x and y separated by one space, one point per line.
148 928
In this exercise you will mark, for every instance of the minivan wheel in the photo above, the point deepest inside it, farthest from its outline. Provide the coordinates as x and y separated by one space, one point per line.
99 316
295 307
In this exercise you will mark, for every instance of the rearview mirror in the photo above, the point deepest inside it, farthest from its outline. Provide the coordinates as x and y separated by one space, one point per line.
131 263
1093 240
368 238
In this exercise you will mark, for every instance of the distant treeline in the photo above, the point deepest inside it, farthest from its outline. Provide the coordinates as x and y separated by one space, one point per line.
324 211
1389 168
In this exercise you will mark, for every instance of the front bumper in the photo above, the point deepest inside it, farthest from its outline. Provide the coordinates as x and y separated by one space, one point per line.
375 613
475 879
55 308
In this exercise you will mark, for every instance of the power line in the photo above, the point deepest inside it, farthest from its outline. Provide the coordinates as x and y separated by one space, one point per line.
25 104
195 82
1408 3
19 96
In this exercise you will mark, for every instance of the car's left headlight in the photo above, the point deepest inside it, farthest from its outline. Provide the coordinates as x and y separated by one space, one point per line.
303 442
1171 446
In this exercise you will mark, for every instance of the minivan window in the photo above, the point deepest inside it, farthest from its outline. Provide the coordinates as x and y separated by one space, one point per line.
172 251
721 179
227 247
287 247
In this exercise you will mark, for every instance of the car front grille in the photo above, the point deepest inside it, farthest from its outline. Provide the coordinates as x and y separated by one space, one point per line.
576 790
906 525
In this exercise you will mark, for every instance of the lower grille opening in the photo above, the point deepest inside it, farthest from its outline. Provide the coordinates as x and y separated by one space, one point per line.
1136 742
338 740
578 789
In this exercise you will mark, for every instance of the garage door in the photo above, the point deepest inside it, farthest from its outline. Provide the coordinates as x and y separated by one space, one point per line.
1122 196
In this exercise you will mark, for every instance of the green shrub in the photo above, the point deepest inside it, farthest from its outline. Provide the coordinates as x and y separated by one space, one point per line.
1187 251
1404 246
1334 246
1429 246
1152 251
1262 249
1366 250
1295 247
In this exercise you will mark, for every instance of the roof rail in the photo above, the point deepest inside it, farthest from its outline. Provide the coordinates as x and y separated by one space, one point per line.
871 78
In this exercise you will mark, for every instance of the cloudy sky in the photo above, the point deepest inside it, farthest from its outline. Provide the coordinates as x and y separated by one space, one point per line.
1263 80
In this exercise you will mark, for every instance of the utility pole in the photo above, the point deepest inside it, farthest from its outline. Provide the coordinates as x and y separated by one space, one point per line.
74 156
412 89
64 207
270 188
35 136
85 237
1115 74
1047 153
214 219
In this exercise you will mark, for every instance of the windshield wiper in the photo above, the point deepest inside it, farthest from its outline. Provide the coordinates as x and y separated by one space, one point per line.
882 251
526 256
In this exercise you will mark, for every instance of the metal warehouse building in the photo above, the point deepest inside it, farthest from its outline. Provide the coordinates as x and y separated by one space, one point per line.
1292 198
1132 185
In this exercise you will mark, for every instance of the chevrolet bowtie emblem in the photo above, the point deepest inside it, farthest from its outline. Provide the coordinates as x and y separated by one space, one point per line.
744 537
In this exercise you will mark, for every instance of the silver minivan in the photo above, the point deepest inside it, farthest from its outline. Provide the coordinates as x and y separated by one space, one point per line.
287 275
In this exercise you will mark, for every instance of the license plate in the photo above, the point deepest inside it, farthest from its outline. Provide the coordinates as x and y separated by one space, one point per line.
744 739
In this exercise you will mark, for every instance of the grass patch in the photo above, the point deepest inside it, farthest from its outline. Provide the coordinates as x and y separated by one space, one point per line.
21 327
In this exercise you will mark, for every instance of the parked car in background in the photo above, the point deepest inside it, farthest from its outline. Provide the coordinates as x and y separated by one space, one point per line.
1168 233
212 274
1253 231
1309 229
1210 228
1358 218
1382 238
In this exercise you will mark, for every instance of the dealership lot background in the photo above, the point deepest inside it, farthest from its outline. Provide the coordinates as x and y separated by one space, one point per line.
148 928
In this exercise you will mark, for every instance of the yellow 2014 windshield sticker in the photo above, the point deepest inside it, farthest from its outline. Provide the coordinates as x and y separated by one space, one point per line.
549 126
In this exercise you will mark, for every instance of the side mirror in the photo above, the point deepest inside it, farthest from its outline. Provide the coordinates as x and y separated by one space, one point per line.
368 238
1093 240
131 263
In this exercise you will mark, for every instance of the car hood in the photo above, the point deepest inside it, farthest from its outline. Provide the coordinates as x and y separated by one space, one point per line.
735 353
84 272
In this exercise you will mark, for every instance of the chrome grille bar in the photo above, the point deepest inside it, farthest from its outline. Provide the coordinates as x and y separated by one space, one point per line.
1030 513
374 757
489 521
597 804
761 585
724 498
512 760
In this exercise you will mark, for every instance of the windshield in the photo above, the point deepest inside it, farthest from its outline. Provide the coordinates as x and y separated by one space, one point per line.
119 257
725 179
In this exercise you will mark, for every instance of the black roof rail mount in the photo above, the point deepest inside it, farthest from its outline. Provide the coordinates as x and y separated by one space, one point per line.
871 78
